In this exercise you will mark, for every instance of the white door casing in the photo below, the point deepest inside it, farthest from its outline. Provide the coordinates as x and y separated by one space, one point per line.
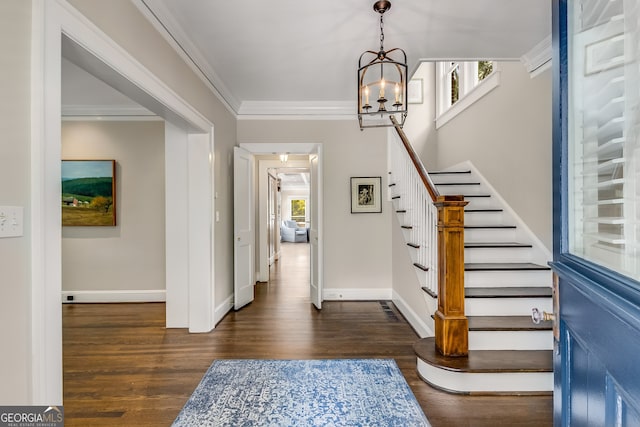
243 228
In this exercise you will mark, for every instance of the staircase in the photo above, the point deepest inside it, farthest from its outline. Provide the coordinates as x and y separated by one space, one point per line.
505 277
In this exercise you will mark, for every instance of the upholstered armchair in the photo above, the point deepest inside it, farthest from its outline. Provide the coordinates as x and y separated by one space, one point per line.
290 232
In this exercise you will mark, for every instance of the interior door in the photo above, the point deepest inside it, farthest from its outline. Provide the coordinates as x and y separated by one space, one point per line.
243 228
271 232
315 229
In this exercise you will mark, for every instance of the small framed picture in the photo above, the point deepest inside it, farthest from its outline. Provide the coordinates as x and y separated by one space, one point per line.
414 91
88 193
366 194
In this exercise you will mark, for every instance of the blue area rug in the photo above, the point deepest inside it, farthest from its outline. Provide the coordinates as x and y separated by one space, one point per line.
343 392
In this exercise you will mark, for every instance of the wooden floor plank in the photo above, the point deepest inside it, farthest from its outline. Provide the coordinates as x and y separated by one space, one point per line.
123 368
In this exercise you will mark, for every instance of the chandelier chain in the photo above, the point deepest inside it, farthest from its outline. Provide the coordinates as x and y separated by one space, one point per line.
381 33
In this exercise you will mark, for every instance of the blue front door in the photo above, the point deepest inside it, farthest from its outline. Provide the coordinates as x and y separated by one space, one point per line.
597 212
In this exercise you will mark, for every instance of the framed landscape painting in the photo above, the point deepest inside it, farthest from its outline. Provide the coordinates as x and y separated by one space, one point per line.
366 195
88 192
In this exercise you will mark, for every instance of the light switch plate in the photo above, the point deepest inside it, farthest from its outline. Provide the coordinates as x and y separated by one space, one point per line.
11 221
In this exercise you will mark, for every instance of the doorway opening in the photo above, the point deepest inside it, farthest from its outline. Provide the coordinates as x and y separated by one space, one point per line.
61 31
303 158
289 220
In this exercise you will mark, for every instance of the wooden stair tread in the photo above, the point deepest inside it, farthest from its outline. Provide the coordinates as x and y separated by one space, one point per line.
507 323
456 183
489 226
466 196
429 292
420 266
509 292
448 172
496 245
482 210
502 266
486 361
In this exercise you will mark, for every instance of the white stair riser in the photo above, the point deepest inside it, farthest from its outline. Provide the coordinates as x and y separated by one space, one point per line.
484 255
480 203
494 279
490 382
505 306
510 340
483 218
460 189
452 177
482 235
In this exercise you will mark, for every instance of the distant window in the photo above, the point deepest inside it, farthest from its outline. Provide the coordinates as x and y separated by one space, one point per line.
299 211
457 81
454 82
484 69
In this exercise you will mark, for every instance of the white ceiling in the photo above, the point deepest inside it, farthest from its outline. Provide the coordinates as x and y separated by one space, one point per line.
301 53
292 180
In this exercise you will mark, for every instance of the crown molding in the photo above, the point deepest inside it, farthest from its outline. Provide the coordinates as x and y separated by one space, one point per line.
177 38
324 110
538 59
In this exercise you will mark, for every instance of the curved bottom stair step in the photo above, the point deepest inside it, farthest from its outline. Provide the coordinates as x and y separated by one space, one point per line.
486 371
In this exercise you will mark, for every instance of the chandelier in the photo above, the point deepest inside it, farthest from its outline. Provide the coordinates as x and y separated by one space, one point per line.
382 82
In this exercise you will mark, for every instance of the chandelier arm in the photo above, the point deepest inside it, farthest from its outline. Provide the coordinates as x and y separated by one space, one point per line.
363 54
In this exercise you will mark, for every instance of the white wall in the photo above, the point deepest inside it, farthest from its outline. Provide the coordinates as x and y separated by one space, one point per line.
414 304
507 136
15 292
420 125
357 251
131 255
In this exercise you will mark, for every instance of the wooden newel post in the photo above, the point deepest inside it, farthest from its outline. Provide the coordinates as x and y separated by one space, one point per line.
451 325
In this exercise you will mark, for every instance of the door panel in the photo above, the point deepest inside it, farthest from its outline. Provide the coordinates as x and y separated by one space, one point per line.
244 228
315 230
271 231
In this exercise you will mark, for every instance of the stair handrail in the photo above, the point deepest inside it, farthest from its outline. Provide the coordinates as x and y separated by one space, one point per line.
422 171
451 324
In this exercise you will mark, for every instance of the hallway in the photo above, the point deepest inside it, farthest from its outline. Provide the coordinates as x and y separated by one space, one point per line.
123 368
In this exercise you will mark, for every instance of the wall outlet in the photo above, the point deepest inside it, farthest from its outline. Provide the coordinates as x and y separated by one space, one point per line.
11 221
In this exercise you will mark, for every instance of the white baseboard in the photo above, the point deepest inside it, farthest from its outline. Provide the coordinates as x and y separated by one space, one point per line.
357 294
156 295
421 328
223 309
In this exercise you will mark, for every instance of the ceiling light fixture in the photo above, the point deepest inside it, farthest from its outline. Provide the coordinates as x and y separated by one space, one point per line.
384 75
284 157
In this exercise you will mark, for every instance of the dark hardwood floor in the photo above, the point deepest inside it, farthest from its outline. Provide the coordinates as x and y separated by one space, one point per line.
123 368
